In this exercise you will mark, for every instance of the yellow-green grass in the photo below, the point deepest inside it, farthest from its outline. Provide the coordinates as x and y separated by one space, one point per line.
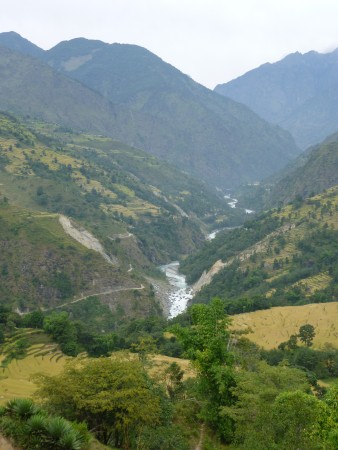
161 362
315 283
15 380
273 326
134 208
17 157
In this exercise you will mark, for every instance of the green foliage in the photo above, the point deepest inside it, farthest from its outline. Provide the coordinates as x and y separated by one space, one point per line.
174 380
31 427
254 279
317 364
299 421
63 331
205 343
306 334
114 397
255 393
163 438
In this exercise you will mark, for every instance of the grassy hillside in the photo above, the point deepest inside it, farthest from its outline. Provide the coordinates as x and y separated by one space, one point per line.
317 170
285 257
313 171
269 328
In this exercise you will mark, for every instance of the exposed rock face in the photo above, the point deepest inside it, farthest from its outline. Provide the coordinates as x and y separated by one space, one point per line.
84 237
261 246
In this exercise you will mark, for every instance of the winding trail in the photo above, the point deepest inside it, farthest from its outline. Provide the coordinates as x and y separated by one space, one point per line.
201 439
84 297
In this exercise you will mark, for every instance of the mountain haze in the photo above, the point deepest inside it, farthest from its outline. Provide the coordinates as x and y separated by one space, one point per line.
299 93
151 105
310 174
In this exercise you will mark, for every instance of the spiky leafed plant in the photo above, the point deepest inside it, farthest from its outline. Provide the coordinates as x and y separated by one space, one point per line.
21 408
72 440
57 427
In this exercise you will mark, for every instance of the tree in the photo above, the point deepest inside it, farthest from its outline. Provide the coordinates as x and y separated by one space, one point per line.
205 343
255 393
174 380
114 397
63 331
299 421
306 334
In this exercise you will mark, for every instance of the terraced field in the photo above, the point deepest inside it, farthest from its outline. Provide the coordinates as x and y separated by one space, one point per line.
272 326
15 379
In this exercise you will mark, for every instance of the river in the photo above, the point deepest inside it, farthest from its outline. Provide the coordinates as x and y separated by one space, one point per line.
180 293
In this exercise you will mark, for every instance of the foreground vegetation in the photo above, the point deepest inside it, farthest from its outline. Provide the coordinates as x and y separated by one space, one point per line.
237 396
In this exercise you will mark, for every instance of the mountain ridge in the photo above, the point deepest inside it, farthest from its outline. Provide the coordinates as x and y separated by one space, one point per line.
166 113
298 93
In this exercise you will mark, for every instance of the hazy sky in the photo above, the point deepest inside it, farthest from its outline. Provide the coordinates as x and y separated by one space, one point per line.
213 41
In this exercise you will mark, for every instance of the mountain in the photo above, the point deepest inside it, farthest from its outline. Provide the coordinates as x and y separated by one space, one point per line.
283 257
316 171
16 42
30 87
41 266
150 105
311 173
146 212
299 93
84 215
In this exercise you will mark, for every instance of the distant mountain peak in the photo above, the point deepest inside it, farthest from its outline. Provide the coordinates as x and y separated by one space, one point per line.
15 41
298 93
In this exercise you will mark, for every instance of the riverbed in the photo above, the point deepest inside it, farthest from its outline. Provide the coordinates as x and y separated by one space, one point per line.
180 293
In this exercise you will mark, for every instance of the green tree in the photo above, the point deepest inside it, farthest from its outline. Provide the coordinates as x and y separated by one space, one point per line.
114 397
255 393
174 380
205 343
299 420
63 331
306 334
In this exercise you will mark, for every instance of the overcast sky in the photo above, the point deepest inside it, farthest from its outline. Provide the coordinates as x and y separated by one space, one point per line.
213 41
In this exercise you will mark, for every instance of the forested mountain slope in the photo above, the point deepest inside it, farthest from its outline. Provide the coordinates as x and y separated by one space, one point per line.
284 257
111 188
311 173
317 170
148 104
299 93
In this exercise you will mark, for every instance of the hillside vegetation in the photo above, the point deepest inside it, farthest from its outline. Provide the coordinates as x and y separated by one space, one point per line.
43 267
317 170
110 188
139 211
285 257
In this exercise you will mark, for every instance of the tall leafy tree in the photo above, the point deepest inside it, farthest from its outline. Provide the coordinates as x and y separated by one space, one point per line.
206 344
114 397
255 393
306 334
